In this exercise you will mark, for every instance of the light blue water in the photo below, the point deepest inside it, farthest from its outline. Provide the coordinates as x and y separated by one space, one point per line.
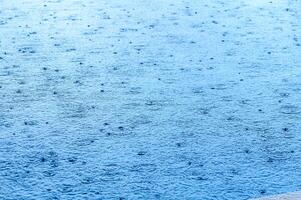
140 99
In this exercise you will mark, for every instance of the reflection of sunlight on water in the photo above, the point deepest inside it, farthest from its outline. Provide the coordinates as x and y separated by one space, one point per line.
290 195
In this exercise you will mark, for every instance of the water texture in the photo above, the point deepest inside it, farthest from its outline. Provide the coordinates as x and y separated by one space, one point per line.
149 99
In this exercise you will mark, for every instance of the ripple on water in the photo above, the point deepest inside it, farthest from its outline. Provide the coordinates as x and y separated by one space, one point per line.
290 109
145 167
277 149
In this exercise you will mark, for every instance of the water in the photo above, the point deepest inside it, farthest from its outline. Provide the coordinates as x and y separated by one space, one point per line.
149 99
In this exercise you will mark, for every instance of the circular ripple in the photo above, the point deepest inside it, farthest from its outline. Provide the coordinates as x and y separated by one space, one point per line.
290 109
